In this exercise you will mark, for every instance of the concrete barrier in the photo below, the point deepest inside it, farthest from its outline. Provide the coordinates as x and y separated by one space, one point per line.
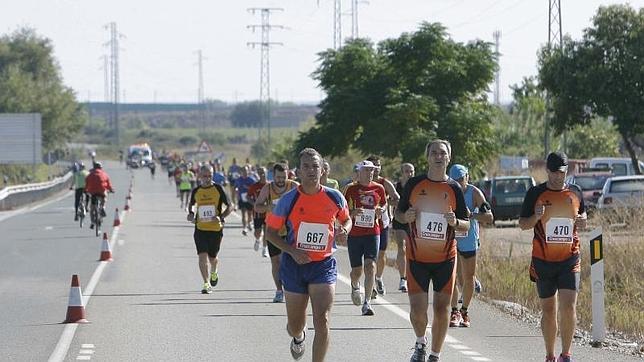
16 196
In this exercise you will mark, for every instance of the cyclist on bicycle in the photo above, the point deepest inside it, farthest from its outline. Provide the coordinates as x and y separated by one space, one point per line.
97 184
78 184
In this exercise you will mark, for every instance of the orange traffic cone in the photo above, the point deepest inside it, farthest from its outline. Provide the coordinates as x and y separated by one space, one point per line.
117 221
106 249
127 204
75 307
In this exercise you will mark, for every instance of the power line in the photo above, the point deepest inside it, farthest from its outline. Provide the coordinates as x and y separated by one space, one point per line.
200 90
265 78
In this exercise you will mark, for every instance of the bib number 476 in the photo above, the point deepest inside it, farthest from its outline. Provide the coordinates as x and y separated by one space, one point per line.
435 226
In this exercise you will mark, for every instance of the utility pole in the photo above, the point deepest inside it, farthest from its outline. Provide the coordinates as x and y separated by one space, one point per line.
497 91
555 39
200 91
265 79
114 81
106 79
337 24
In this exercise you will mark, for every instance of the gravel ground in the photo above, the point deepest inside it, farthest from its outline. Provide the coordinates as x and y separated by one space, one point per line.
614 341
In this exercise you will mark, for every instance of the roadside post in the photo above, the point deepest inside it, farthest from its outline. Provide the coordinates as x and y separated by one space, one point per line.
597 283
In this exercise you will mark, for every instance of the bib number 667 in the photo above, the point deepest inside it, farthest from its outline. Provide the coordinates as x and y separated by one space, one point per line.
314 237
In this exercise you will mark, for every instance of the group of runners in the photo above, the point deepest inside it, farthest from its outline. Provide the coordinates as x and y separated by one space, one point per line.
299 221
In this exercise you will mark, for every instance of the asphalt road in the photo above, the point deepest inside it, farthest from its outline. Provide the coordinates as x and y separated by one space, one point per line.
147 304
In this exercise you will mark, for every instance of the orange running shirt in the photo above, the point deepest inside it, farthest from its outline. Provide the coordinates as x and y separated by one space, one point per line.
555 235
432 240
310 220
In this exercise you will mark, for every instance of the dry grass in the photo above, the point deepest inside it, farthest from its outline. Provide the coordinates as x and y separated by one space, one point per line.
506 278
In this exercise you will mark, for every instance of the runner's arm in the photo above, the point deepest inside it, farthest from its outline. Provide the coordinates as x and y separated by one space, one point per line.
261 205
485 213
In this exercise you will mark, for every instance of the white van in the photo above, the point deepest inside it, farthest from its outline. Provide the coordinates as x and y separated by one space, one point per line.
619 166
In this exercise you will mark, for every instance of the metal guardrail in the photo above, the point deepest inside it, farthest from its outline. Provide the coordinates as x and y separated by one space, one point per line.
19 195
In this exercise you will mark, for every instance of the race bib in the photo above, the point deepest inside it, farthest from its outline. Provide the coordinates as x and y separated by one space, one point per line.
386 220
366 218
432 226
559 230
461 234
312 237
207 213
244 196
275 202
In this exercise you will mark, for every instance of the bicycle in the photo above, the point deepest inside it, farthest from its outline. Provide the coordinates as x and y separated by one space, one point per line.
95 215
81 210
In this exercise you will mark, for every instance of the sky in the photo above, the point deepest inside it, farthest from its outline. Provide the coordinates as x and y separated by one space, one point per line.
160 40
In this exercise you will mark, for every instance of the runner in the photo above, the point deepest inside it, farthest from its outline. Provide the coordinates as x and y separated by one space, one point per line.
185 186
326 180
434 207
556 211
385 221
401 235
259 222
308 268
234 171
467 245
242 183
266 201
208 200
367 202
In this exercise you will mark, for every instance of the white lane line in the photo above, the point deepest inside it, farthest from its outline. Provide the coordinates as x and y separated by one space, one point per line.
402 313
83 358
87 345
481 359
470 353
49 227
67 336
459 346
32 208
86 351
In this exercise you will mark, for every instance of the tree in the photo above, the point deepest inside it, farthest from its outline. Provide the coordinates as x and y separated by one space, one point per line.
392 99
247 114
30 82
601 74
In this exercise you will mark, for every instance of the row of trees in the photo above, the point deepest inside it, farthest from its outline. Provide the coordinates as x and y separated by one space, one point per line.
390 98
30 82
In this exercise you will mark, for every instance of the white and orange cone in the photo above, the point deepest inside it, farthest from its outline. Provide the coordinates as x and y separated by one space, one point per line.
106 249
117 221
127 204
75 307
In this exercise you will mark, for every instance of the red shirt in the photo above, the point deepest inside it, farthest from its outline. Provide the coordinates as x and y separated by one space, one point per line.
253 193
97 182
365 197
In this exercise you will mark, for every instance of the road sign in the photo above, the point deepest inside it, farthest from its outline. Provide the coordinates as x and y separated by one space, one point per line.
597 283
204 147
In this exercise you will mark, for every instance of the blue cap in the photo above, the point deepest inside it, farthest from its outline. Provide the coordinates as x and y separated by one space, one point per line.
457 171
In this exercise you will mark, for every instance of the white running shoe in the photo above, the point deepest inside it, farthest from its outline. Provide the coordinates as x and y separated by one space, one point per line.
256 246
265 252
279 296
356 295
403 285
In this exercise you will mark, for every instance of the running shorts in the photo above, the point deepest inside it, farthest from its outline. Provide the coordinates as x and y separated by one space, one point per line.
208 242
551 276
296 278
362 246
384 239
442 275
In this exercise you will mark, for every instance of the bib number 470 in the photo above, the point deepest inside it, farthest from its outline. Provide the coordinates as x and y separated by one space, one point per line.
561 230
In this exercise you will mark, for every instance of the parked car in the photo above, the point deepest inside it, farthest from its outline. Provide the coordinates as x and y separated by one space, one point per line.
507 194
619 166
591 184
625 193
